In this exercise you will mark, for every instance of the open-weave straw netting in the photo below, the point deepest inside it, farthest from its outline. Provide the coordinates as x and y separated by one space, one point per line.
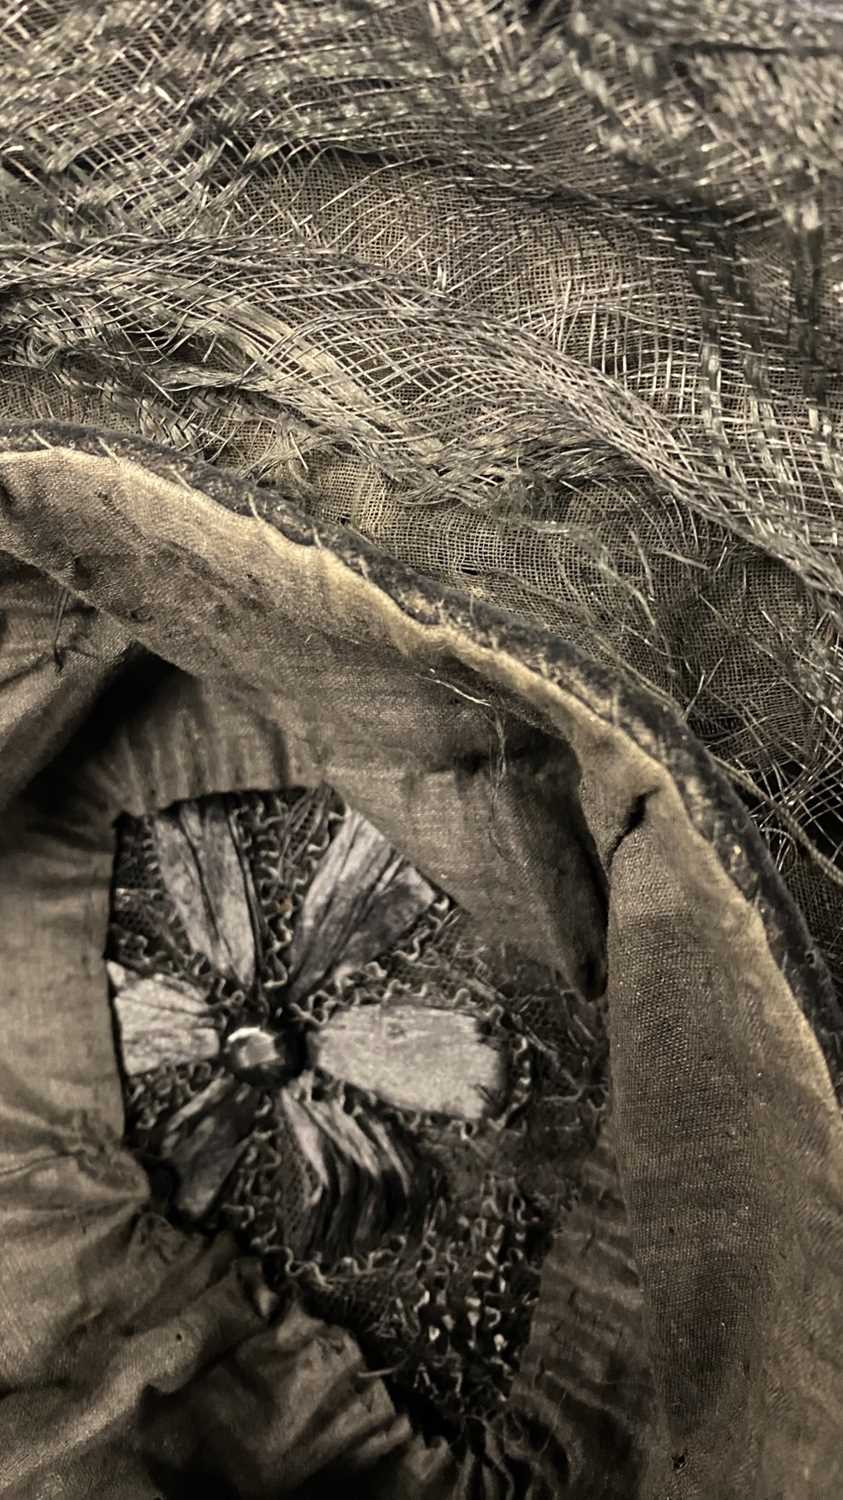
545 299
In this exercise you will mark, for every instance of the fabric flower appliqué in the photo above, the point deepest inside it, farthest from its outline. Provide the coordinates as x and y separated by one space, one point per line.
308 1061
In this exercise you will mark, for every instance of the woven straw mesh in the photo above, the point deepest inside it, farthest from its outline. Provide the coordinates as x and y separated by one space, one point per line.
545 299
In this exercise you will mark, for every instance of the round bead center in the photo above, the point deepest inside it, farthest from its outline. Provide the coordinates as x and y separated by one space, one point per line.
259 1056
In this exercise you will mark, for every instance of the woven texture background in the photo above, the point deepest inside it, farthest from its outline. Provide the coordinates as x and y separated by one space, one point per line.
545 299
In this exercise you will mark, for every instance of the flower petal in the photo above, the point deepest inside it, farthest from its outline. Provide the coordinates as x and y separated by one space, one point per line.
414 1057
362 898
160 1021
205 1140
207 884
369 1182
